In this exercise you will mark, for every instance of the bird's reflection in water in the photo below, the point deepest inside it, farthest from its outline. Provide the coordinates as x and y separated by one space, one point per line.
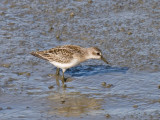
64 103
72 104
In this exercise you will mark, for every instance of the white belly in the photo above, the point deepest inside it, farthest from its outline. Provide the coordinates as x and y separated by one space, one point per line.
73 63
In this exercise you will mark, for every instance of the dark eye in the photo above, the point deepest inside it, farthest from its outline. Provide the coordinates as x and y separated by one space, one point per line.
98 53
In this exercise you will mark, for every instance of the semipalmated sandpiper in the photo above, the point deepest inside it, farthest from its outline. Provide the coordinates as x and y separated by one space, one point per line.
68 56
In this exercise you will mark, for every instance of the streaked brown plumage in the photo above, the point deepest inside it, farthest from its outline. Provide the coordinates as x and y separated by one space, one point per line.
68 56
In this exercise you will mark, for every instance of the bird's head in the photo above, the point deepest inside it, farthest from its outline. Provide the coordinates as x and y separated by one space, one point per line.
95 53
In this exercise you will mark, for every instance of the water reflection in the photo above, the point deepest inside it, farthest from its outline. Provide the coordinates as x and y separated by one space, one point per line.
72 104
65 103
88 70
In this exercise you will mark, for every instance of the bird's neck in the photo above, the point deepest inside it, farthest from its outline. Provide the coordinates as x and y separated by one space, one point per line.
88 54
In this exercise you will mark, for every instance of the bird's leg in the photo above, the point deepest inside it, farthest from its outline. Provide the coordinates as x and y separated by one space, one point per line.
57 71
57 80
63 78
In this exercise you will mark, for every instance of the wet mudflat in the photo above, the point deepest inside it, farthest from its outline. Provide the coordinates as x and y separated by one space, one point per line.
128 34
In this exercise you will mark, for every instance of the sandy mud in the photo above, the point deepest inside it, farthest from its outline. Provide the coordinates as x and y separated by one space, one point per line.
127 32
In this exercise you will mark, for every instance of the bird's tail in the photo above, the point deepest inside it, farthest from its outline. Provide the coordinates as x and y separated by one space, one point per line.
34 54
37 54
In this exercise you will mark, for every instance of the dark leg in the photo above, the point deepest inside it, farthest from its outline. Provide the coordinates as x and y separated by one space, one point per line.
57 80
57 71
63 78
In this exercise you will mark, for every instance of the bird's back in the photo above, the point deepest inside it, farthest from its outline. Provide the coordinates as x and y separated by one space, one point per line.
58 54
73 48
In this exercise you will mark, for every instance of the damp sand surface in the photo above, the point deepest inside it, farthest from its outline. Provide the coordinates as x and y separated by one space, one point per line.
127 33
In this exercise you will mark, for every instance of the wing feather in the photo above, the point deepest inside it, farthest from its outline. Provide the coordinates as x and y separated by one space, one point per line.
55 54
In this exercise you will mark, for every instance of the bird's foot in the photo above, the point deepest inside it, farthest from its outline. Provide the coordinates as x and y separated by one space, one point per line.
64 86
64 79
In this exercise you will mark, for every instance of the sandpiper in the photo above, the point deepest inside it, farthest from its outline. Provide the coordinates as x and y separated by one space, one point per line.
68 56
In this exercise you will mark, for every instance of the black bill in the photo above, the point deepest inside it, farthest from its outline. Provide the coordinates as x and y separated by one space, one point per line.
102 58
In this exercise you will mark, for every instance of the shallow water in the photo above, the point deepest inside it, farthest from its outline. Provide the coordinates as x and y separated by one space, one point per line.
128 34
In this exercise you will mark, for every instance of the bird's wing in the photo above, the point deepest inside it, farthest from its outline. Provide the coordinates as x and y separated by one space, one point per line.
75 48
55 54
